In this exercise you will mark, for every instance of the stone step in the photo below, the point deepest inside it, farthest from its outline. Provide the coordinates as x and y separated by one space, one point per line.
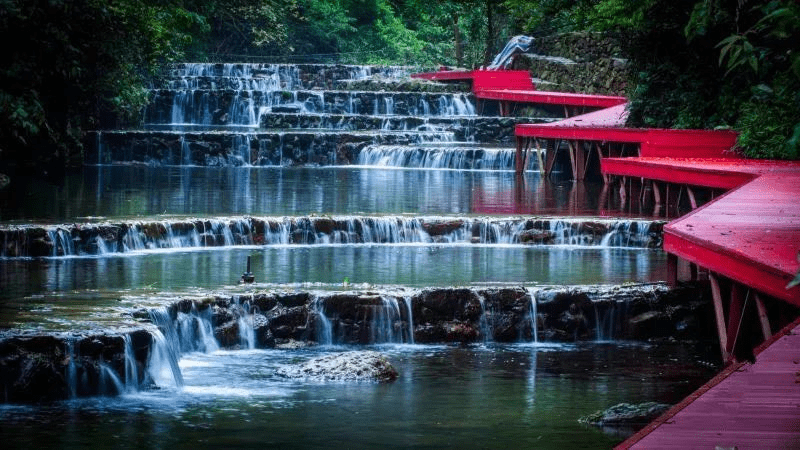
465 129
258 147
231 107
292 76
123 237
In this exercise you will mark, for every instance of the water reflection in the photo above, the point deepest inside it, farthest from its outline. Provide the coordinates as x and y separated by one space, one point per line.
131 191
408 265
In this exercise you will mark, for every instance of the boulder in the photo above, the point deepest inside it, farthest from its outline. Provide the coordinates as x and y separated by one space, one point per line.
347 366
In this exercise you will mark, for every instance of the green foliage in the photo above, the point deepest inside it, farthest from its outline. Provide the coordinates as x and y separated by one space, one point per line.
72 64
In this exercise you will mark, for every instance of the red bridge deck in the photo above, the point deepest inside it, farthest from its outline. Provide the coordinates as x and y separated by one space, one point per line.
747 406
516 86
751 234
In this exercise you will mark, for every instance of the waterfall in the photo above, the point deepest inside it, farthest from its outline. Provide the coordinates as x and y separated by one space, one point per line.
186 153
388 102
245 323
107 374
194 233
323 326
386 315
410 314
162 364
534 317
72 369
131 370
63 244
483 322
605 324
627 233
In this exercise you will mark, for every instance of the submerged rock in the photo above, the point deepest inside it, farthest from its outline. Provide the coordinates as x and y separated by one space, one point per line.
626 414
347 366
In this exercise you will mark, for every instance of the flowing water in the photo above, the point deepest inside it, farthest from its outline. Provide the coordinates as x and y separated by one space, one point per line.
122 237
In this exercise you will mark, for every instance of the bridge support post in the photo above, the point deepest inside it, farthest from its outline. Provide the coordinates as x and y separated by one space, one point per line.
672 269
519 164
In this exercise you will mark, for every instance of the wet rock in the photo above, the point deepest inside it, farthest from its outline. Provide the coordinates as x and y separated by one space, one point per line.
536 237
626 414
440 228
347 366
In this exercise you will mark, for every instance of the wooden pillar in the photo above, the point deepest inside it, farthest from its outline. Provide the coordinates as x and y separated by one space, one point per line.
735 315
539 158
572 161
693 273
518 155
719 314
763 319
692 198
550 156
672 269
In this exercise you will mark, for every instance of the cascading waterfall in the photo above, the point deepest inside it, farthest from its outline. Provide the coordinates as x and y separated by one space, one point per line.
108 379
627 233
63 244
141 236
386 315
534 316
323 324
131 370
433 157
409 312
483 322
245 323
72 368
162 364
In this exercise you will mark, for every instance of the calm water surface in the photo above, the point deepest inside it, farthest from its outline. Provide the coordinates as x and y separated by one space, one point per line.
130 192
515 396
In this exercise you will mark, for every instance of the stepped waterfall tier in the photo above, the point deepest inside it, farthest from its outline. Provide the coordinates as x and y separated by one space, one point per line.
284 115
397 270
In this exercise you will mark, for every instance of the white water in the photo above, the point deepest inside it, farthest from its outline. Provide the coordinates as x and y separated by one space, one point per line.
445 157
345 230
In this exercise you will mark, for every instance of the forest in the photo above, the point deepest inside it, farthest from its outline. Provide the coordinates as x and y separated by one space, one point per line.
77 65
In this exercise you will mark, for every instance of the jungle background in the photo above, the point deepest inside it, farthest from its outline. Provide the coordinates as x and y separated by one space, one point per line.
75 65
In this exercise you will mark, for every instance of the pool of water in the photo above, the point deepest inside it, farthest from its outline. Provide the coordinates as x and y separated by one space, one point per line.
137 191
486 396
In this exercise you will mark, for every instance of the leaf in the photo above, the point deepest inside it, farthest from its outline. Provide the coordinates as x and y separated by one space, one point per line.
796 280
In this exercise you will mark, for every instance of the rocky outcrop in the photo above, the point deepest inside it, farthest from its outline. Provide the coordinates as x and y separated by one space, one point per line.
577 62
53 367
347 366
50 366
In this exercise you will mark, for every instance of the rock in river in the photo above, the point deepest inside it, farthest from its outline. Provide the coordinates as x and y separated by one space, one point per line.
347 366
626 414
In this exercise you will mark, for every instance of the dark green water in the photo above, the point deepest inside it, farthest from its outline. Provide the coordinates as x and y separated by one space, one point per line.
510 396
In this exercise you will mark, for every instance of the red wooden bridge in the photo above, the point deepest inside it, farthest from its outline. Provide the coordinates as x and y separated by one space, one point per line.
511 87
746 241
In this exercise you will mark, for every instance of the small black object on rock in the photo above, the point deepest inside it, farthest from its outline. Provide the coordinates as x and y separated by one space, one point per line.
248 276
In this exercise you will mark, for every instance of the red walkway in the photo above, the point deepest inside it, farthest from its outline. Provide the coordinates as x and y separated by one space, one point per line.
747 406
751 234
515 86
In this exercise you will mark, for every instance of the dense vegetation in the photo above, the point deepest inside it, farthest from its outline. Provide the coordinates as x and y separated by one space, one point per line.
73 65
